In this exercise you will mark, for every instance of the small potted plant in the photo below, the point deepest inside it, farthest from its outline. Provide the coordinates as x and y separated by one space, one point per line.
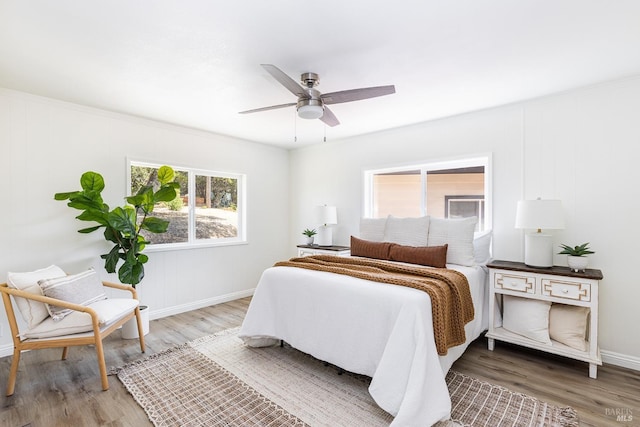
576 256
309 233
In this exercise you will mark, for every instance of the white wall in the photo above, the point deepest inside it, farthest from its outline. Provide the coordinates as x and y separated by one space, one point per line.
579 146
46 145
582 147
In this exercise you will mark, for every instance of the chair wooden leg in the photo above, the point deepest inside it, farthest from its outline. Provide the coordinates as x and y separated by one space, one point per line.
102 364
65 350
142 345
13 373
140 329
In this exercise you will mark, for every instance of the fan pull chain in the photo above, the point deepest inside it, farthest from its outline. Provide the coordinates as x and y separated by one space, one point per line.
295 126
325 133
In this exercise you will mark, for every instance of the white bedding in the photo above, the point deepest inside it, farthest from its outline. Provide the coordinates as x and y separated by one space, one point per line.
376 329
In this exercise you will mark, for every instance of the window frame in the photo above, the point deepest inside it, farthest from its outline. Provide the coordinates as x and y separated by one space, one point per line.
484 160
192 242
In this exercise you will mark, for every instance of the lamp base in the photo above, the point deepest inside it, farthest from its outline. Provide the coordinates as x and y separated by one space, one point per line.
538 250
324 237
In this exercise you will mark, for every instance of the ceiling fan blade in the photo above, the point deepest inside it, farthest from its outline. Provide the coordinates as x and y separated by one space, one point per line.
329 118
273 107
357 94
286 81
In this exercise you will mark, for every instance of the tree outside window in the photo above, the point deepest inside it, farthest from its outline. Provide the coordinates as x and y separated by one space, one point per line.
212 215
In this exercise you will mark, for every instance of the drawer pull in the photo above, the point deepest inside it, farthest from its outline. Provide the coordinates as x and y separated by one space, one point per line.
565 290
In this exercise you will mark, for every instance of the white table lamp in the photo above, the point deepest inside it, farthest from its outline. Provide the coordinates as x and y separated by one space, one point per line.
539 214
327 215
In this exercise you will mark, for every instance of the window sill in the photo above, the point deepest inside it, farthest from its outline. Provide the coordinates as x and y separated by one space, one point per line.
186 246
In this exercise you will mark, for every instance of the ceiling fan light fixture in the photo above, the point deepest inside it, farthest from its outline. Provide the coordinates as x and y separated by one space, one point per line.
310 108
310 111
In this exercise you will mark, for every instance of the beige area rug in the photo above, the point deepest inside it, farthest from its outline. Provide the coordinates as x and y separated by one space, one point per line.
218 381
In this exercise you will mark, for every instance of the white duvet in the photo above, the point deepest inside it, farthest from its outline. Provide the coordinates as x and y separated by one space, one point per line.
376 329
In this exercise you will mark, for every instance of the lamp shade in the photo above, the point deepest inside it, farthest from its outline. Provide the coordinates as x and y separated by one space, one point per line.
540 214
327 214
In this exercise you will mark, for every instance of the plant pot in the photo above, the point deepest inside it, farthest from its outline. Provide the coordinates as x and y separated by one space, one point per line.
309 240
130 328
577 263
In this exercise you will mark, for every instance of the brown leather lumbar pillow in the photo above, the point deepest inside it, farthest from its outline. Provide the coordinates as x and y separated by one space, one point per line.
369 249
433 256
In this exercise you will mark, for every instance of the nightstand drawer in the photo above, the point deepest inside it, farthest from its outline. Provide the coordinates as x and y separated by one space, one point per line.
564 289
515 282
303 252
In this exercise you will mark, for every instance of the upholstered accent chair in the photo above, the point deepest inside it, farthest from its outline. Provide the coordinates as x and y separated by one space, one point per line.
60 311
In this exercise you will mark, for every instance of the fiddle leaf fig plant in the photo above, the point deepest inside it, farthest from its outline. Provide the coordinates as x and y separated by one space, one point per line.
123 224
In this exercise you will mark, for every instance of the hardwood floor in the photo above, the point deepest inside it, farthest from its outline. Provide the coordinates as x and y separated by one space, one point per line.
51 392
559 381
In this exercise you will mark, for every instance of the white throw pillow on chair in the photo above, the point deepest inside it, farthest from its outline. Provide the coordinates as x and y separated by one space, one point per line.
82 289
33 312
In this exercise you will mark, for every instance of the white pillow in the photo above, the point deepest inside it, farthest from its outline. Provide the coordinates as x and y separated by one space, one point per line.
458 234
568 325
82 288
372 229
527 317
482 247
33 312
407 231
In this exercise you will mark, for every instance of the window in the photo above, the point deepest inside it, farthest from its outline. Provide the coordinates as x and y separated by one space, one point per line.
208 210
447 189
464 206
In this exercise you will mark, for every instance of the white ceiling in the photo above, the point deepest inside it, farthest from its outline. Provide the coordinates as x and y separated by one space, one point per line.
197 62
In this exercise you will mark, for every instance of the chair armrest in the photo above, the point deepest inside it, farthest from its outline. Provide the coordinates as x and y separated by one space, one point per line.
129 288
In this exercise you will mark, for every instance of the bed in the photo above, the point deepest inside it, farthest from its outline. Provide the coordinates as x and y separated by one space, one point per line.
376 329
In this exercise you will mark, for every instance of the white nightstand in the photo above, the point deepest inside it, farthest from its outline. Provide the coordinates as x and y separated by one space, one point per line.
306 250
556 284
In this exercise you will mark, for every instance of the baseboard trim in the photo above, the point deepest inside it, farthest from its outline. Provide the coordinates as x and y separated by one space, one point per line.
177 309
623 360
7 349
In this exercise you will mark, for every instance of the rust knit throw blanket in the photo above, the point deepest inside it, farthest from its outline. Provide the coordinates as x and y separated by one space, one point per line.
451 301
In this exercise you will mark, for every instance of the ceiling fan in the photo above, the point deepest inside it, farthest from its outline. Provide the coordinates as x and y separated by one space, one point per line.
311 103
